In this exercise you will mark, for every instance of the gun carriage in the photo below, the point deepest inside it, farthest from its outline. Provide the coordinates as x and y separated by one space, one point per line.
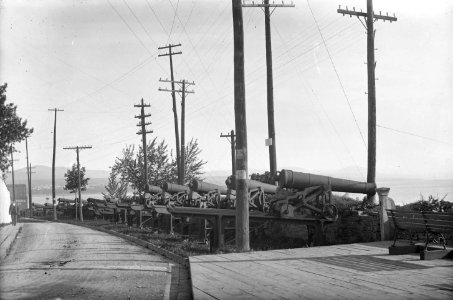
302 195
206 195
300 198
260 194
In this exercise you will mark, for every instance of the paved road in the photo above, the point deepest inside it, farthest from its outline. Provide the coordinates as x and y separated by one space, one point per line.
62 261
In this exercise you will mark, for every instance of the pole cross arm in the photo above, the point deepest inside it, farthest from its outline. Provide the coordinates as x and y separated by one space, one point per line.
168 90
140 132
363 14
140 105
351 12
140 124
385 17
173 53
169 46
267 5
178 81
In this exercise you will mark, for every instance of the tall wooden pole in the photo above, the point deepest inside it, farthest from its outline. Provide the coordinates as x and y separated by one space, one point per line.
242 203
371 174
370 17
175 112
183 84
79 183
79 188
233 152
183 133
53 162
30 192
270 81
53 165
270 92
143 133
12 175
28 176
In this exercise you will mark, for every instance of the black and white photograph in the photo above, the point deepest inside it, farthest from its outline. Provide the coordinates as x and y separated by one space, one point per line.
226 149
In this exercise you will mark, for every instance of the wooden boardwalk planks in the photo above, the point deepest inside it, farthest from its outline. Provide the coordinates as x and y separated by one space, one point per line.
355 271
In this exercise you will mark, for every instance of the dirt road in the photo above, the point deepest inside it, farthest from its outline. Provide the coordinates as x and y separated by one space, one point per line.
62 261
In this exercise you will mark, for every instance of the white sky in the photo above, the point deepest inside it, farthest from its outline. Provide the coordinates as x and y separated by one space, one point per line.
96 59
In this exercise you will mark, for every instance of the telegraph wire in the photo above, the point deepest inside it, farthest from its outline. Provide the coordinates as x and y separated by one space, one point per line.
415 135
129 27
157 17
315 96
174 18
338 76
139 22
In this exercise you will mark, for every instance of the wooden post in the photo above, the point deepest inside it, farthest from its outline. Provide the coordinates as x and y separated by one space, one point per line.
371 175
370 17
384 223
270 92
233 153
242 205
219 233
12 177
183 133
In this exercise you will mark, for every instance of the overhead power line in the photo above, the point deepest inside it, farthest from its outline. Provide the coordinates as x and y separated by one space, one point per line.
413 134
338 76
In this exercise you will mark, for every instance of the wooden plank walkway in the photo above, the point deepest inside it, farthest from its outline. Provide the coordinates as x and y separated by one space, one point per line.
354 271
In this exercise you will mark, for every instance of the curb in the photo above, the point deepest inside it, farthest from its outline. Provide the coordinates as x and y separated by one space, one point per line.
8 243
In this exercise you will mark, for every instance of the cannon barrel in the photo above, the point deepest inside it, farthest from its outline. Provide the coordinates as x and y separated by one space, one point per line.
204 187
152 189
174 188
300 180
252 184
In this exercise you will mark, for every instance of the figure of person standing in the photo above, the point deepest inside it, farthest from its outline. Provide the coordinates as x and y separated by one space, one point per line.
13 213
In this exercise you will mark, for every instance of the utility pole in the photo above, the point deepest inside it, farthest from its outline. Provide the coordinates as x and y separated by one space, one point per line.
29 190
28 176
270 85
183 84
242 203
231 138
370 17
53 161
175 112
12 175
77 148
143 132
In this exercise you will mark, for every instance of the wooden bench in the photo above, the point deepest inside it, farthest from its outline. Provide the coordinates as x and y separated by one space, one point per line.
435 226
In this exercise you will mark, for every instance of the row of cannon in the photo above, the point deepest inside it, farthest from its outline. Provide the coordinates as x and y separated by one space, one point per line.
298 195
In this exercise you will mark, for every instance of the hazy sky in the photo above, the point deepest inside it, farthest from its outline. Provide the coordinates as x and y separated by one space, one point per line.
96 59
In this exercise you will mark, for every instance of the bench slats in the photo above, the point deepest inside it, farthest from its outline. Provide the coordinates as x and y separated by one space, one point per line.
440 229
409 214
439 216
439 222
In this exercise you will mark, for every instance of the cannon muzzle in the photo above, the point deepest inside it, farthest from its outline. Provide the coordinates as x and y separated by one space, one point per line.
252 184
174 188
204 187
152 189
300 180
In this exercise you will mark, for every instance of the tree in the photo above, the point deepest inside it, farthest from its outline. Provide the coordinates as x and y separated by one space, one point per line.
116 189
12 129
193 164
72 179
131 165
161 165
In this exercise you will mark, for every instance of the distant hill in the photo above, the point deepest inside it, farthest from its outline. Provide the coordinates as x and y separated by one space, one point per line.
42 176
